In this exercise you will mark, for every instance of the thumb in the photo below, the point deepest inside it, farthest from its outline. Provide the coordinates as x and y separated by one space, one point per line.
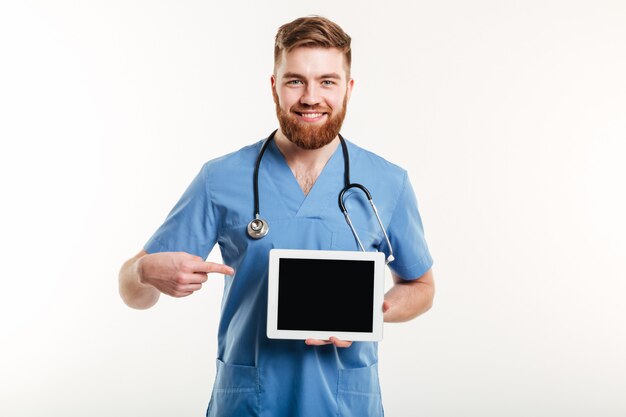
386 306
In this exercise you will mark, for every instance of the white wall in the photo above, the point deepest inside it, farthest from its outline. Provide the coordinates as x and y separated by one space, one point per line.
510 117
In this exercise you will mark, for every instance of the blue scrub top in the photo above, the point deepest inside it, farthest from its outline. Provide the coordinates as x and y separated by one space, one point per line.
257 376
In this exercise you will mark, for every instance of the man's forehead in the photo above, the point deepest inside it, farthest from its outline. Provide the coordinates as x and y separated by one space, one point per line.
312 61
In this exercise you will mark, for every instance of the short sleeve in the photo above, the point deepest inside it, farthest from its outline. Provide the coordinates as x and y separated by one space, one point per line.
406 234
190 226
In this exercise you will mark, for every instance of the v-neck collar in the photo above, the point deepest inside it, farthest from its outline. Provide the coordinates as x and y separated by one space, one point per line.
297 203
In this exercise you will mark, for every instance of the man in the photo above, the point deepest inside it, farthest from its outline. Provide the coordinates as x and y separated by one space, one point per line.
300 176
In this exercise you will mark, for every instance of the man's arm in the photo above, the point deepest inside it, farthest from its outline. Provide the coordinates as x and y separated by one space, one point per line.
145 276
408 299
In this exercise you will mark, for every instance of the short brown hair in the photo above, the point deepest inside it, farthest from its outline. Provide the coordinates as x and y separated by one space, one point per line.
312 32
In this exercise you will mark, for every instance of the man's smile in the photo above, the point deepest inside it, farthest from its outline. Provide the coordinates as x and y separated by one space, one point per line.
310 116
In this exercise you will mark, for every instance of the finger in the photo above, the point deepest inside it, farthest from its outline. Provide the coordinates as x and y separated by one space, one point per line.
386 306
340 343
207 267
317 342
183 278
180 294
189 287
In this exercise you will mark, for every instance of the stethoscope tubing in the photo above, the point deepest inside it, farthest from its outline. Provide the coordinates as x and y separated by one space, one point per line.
256 174
258 228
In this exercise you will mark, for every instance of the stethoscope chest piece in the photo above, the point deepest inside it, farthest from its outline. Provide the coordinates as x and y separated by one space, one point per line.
258 228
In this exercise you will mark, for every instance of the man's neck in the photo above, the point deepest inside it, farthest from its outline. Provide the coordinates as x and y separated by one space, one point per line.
305 164
304 159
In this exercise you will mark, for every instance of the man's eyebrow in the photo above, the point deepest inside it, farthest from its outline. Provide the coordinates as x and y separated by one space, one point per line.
333 75
292 75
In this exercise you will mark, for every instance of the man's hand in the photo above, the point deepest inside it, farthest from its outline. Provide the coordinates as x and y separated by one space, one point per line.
334 340
178 274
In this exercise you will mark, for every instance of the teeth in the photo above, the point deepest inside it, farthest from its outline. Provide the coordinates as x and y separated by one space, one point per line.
311 115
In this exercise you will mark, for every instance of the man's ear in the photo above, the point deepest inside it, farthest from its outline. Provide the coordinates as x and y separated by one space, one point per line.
349 86
273 84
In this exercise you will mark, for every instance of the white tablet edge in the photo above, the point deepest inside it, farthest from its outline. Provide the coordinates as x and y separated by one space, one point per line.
272 305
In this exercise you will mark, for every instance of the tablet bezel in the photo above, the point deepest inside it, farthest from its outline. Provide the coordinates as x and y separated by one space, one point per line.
272 297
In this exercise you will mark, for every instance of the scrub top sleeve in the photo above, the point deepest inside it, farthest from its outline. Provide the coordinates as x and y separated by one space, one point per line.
406 234
190 226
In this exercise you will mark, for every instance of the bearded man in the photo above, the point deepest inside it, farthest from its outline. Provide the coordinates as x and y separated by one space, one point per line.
299 178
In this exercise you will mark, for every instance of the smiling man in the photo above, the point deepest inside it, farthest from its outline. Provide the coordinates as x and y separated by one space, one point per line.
314 100
300 176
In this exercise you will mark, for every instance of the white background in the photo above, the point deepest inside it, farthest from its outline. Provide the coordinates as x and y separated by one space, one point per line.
509 115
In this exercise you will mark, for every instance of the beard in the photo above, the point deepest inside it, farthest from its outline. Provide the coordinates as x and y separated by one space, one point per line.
307 135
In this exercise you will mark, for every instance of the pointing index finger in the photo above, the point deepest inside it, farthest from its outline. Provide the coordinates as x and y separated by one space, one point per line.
207 267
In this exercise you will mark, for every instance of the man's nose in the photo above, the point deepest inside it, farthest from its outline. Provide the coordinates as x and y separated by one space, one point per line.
311 95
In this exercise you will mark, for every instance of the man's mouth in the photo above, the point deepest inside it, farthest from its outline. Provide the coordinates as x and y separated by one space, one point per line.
310 116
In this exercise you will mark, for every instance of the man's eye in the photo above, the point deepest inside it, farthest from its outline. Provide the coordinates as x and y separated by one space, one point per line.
294 82
328 82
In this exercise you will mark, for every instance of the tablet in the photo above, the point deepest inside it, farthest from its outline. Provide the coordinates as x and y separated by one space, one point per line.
319 294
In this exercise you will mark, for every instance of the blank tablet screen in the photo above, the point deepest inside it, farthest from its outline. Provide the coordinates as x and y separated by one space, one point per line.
325 295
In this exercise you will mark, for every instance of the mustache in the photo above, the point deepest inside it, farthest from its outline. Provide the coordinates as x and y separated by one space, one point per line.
318 109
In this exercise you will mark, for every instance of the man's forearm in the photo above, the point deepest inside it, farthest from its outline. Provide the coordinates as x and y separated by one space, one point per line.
133 292
409 299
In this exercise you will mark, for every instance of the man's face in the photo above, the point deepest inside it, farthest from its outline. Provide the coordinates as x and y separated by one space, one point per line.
311 92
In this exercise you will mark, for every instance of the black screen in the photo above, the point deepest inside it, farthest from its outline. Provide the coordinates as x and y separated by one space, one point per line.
325 295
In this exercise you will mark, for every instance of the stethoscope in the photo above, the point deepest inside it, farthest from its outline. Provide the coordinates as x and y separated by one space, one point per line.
259 227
